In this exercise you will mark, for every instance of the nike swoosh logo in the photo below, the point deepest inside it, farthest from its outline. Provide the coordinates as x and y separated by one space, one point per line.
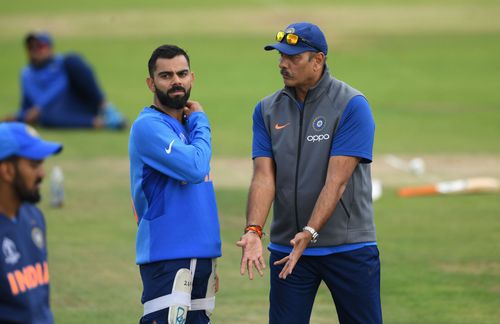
169 149
278 126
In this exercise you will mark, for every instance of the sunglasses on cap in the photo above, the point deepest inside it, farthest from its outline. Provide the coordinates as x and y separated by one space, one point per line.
293 39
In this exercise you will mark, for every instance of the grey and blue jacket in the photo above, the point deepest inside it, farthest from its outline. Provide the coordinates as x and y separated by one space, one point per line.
301 153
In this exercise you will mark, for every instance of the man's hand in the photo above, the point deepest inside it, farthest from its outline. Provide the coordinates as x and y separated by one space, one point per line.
8 118
31 116
299 243
251 257
191 107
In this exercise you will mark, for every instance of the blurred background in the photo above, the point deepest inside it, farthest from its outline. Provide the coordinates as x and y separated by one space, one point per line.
430 69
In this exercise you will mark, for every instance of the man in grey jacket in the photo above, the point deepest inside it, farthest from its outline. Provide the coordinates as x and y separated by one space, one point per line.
312 148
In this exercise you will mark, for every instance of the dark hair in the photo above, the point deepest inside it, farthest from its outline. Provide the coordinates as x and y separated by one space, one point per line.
167 52
41 37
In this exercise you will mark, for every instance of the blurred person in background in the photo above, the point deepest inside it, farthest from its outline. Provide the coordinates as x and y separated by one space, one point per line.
178 235
312 149
61 90
24 273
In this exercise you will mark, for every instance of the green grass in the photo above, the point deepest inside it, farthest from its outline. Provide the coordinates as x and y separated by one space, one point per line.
432 91
439 264
97 5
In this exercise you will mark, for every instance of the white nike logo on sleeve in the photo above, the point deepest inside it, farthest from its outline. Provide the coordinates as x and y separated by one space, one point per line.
169 149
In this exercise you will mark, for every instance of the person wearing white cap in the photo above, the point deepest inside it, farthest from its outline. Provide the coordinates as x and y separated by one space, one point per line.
24 272
312 149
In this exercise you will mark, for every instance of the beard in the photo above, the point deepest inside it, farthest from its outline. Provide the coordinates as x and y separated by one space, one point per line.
24 194
177 102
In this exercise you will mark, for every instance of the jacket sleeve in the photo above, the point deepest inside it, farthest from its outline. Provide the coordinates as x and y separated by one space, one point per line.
26 102
163 150
82 78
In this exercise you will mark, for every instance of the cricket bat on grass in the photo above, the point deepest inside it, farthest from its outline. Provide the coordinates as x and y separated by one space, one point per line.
462 186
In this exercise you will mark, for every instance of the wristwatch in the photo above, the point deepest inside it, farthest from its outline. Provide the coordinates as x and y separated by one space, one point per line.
313 232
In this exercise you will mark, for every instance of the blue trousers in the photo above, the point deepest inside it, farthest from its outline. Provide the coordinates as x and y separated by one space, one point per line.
158 279
352 277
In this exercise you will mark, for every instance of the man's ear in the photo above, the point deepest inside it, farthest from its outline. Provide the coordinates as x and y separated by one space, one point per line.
7 171
319 60
151 84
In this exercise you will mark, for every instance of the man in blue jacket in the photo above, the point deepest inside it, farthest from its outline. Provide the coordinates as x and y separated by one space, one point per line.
24 272
178 236
61 90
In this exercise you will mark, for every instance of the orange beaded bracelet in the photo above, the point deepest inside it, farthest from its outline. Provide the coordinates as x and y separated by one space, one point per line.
257 229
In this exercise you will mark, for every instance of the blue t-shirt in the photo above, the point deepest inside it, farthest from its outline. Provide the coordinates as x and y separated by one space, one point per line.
24 273
354 137
172 194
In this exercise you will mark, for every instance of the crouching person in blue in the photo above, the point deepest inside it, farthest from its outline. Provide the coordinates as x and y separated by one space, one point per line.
24 273
61 90
178 236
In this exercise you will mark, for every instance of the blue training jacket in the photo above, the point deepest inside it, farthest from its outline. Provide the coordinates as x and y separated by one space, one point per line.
172 195
65 90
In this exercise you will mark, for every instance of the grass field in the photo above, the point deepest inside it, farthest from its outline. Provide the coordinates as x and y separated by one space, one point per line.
429 68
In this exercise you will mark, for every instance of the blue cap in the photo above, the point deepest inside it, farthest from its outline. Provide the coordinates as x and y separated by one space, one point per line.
18 139
310 32
40 36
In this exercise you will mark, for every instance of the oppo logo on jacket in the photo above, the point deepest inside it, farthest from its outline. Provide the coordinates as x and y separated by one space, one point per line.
301 143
